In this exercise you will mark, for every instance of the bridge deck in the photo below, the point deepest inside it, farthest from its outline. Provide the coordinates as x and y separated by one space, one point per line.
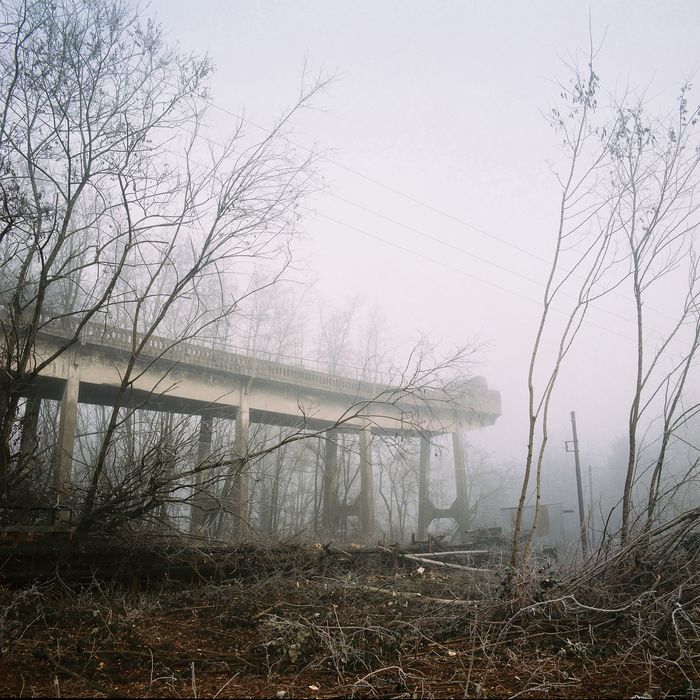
186 377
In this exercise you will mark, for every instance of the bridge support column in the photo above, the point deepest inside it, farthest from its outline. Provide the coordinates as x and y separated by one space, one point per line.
68 421
240 488
197 513
461 504
330 483
459 510
29 441
366 484
425 507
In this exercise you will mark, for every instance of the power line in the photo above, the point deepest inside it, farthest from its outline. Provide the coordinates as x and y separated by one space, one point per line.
429 236
421 203
407 227
383 185
436 239
459 271
464 273
425 235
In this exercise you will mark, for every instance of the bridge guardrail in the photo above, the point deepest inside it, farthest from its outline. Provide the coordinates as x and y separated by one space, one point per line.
229 360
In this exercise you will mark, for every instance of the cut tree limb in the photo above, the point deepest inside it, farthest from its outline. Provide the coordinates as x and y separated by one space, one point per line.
432 562
411 595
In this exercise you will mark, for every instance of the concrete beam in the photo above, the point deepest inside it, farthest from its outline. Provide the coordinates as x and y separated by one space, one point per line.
284 395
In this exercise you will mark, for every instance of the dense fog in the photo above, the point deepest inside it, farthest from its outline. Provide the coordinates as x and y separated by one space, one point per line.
436 197
496 192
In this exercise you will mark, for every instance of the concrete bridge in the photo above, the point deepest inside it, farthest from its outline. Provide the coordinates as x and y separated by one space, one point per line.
187 378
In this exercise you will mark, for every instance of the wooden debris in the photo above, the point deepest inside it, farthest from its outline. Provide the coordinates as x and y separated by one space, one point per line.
409 595
433 562
461 552
459 567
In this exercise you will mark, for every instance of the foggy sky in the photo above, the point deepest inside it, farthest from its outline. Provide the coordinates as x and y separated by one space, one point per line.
443 102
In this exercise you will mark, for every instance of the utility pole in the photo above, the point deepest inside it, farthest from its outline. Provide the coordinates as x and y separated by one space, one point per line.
579 489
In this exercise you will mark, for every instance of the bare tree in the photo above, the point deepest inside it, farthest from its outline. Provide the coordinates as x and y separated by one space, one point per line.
628 212
80 102
581 264
113 205
656 173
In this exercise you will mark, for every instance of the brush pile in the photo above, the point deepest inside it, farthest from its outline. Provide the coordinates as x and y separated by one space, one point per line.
282 620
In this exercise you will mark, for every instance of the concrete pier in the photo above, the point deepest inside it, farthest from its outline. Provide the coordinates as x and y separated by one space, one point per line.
461 505
366 484
29 440
198 512
190 379
424 505
239 492
329 515
67 425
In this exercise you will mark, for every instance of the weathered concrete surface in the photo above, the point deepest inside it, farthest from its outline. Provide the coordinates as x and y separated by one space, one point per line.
191 379
68 421
424 505
188 378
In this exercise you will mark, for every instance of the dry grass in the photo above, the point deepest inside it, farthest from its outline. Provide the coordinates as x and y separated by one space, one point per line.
304 622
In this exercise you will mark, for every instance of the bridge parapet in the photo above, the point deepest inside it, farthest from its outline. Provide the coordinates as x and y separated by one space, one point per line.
472 395
227 359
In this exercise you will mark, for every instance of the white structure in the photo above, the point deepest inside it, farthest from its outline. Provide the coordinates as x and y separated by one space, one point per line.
192 379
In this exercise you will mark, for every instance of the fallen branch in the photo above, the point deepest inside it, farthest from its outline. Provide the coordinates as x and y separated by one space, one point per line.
432 562
459 567
409 595
456 551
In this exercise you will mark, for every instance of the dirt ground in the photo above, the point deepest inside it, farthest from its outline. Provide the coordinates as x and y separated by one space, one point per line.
314 630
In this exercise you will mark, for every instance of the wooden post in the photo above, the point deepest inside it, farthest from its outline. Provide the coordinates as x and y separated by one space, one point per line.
579 488
366 484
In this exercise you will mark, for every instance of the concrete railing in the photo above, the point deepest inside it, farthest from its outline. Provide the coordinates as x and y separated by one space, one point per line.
202 356
226 360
